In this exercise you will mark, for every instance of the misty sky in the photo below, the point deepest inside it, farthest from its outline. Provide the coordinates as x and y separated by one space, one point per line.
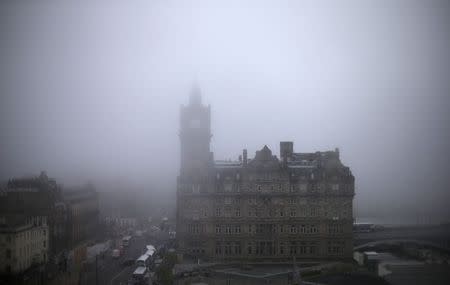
92 90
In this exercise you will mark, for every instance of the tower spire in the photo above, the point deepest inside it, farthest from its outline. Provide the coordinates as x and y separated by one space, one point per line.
195 97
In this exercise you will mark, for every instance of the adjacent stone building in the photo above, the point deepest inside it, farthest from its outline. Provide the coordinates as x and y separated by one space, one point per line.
263 208
68 217
24 242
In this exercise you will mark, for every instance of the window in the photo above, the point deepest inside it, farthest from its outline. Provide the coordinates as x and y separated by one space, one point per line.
218 229
335 187
228 187
282 248
293 213
336 247
196 188
293 248
249 248
218 248
237 229
227 248
217 212
237 248
44 243
8 254
238 212
228 229
302 248
293 229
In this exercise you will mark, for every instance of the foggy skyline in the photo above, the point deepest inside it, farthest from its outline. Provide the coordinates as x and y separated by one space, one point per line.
91 92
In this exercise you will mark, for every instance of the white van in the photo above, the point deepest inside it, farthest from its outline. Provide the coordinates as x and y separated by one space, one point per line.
115 253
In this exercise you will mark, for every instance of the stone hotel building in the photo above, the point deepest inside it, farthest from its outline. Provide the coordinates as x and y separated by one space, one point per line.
263 208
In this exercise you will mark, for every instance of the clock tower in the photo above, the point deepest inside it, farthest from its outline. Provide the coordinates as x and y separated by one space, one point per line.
195 137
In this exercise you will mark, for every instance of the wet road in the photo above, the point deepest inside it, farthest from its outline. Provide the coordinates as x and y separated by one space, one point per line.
111 270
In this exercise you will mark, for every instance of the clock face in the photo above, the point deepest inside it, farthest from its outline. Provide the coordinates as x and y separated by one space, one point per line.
194 123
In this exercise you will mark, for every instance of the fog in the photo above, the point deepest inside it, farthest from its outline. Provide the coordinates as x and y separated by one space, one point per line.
91 91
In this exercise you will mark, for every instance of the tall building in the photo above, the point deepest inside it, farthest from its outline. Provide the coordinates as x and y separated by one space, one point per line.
263 208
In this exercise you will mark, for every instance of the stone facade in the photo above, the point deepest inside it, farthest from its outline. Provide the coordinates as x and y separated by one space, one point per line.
23 243
260 209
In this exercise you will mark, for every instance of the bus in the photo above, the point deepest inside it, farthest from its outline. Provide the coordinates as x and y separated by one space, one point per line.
150 253
143 261
126 240
140 275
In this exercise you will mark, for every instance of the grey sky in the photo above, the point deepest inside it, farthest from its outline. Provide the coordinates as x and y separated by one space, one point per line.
91 91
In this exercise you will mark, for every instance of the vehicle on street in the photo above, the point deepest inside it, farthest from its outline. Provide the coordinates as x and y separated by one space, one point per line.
157 262
126 240
116 253
140 276
143 261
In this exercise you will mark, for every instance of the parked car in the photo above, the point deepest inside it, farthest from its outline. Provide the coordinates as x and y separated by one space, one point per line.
115 253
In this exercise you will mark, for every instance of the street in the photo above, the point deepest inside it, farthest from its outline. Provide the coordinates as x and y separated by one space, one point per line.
111 270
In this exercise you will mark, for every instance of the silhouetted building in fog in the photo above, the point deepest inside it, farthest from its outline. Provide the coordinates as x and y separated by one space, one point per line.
70 218
262 208
82 214
31 196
